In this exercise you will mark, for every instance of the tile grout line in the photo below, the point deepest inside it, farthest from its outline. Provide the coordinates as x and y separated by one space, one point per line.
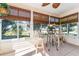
69 52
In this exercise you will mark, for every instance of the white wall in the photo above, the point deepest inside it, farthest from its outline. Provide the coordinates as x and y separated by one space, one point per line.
6 45
72 39
69 12
0 33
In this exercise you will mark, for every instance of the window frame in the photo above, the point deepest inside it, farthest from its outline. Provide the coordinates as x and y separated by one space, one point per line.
1 31
69 27
17 34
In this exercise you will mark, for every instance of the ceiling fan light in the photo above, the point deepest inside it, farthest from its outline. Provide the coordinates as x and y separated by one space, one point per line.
45 4
55 5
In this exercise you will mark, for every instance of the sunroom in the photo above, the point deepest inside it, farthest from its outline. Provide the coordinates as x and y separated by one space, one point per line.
23 24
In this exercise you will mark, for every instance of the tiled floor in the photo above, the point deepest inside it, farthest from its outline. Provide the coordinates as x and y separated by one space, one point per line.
64 50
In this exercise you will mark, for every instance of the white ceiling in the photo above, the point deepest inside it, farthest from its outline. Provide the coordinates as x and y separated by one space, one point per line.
64 7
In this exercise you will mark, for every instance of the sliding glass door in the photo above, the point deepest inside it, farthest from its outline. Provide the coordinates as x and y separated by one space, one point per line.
24 29
11 29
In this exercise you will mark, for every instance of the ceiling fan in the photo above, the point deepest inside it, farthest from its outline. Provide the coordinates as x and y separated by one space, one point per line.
54 5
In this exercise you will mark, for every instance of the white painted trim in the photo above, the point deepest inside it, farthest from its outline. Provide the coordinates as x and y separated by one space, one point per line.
17 30
60 27
67 28
0 29
49 19
31 25
78 25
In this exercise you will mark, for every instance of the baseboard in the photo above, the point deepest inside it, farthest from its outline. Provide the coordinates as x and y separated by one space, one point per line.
71 43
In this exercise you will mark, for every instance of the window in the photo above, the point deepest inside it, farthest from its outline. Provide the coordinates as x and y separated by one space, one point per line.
24 29
64 28
56 19
44 26
37 26
9 29
57 28
52 19
72 29
40 29
44 29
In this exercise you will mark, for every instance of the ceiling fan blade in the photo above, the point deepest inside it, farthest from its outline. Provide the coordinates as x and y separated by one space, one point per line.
55 5
45 4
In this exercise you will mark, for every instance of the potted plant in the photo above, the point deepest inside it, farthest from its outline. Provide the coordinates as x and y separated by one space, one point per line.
4 9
